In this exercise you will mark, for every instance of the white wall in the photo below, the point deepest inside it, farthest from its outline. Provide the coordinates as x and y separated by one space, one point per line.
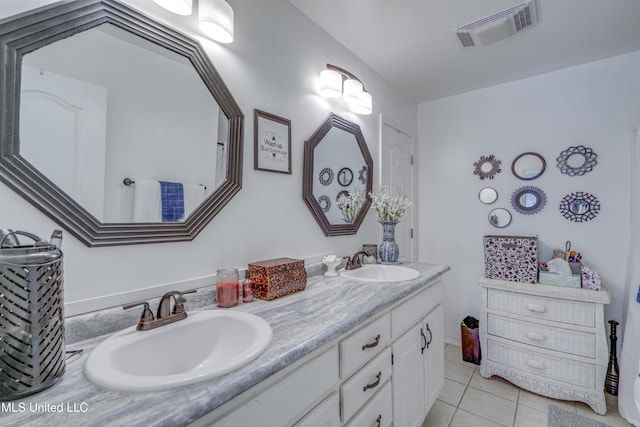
272 65
596 105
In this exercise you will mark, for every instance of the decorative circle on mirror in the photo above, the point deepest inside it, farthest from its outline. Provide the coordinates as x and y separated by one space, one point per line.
528 166
345 177
577 160
325 203
326 176
488 195
579 206
344 193
500 217
487 167
362 175
528 200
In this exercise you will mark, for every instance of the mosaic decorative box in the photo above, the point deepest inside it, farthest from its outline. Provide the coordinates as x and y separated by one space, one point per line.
275 278
573 281
511 258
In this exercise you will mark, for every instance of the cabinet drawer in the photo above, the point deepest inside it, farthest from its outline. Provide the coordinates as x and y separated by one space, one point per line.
365 383
565 340
363 345
376 413
409 313
557 368
554 309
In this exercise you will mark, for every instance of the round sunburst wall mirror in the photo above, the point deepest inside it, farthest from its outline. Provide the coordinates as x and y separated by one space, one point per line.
487 167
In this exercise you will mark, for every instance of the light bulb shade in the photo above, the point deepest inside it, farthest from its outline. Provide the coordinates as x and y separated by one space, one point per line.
365 106
330 84
352 91
216 20
179 7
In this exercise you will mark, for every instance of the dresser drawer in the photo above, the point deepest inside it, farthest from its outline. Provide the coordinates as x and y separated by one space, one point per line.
554 309
376 413
564 340
365 383
556 368
363 345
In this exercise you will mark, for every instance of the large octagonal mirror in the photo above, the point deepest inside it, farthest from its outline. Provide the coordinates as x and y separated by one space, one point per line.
338 174
103 111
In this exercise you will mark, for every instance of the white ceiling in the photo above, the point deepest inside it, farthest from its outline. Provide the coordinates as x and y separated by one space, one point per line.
412 45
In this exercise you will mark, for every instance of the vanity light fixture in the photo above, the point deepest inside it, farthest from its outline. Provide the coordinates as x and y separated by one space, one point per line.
179 7
336 82
216 20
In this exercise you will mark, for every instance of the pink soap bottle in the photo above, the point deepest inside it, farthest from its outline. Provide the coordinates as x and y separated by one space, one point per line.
247 289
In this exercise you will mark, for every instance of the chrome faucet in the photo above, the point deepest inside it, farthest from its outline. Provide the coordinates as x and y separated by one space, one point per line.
355 261
165 315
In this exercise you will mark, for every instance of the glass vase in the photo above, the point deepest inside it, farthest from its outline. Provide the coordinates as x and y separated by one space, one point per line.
388 250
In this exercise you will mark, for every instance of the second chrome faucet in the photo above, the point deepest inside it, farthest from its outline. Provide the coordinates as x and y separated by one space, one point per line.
165 314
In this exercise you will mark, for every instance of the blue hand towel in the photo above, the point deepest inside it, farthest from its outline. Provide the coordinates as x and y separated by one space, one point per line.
172 195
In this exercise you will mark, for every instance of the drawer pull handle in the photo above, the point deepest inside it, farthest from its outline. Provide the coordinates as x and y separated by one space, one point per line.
379 420
430 336
536 308
424 337
535 336
535 364
373 384
372 344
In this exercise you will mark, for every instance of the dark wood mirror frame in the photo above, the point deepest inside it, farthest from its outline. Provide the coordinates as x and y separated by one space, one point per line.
308 176
29 31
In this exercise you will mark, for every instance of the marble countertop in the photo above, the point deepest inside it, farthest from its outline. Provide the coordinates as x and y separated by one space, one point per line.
301 322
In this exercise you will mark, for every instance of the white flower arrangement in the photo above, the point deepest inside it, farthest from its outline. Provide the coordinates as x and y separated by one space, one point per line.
389 208
350 205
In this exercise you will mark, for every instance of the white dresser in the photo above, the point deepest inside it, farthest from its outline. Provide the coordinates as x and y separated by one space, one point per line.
550 340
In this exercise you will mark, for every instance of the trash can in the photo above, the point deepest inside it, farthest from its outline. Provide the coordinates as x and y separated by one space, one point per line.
470 335
32 353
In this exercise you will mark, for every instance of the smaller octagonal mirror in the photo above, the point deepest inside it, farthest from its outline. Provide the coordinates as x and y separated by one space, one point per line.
337 198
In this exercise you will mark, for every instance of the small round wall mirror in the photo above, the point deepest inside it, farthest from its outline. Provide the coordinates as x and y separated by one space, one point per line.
487 167
579 206
488 195
528 166
576 161
500 217
528 200
345 177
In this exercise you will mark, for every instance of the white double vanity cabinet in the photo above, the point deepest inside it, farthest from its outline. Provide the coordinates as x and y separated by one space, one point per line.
388 371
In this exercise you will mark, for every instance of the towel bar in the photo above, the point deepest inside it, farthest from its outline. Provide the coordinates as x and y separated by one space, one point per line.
128 182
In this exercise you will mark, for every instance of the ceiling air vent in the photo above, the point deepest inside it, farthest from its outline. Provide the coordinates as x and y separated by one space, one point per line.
498 26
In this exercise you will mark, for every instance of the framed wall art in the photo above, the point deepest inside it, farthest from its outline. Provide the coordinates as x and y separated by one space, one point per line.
272 142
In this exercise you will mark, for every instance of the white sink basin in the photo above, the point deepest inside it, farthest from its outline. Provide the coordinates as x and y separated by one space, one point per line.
381 273
205 345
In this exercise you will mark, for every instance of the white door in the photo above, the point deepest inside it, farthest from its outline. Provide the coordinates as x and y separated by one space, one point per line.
433 355
397 175
408 379
63 134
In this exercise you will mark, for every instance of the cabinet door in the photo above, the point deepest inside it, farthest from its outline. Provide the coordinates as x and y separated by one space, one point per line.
408 379
326 414
433 355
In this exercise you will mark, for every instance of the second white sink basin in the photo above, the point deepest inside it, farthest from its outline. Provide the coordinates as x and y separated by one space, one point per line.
381 273
205 345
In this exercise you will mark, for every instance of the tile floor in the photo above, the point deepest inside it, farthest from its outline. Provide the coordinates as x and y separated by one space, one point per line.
468 400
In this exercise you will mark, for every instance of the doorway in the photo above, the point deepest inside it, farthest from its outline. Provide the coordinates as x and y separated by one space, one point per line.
397 174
